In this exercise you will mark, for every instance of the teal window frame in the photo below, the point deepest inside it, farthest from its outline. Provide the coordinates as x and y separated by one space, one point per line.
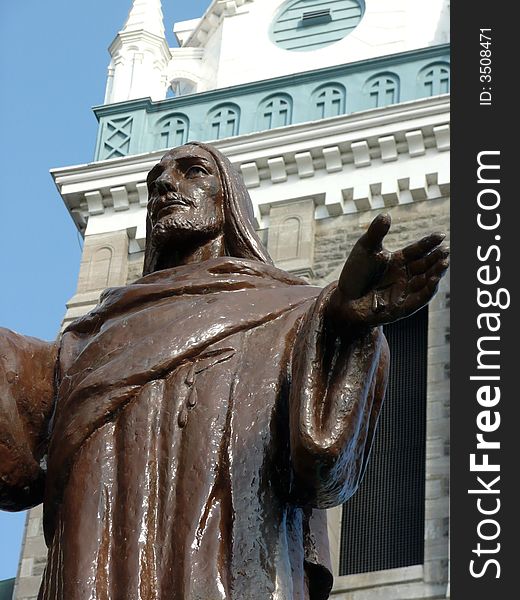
329 100
275 111
435 79
382 89
170 134
223 125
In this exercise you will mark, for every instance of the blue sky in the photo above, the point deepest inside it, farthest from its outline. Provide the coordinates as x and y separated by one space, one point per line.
53 62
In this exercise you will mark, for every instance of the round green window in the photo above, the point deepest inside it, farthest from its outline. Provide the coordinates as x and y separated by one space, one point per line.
313 24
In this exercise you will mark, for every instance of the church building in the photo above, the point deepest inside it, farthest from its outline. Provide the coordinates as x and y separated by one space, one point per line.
333 111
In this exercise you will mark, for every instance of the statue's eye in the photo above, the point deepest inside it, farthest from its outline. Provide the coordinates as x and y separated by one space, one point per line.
196 171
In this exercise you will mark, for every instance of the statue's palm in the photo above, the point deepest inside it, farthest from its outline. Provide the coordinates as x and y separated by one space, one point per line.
378 287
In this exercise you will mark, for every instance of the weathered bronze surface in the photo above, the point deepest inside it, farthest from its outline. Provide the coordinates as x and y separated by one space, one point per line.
186 435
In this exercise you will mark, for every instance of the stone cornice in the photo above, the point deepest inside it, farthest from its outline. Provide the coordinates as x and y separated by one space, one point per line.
326 147
211 19
132 37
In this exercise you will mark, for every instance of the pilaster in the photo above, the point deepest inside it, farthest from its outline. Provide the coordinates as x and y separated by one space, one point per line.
291 236
104 264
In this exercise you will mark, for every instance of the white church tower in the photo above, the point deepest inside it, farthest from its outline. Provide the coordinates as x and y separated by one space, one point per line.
332 111
140 56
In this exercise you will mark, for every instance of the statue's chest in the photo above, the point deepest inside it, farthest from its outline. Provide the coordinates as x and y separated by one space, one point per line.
201 392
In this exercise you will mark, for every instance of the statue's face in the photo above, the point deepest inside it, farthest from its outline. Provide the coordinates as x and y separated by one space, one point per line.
185 198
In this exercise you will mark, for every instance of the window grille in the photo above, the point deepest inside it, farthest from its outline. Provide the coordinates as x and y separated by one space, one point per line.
118 134
316 17
383 523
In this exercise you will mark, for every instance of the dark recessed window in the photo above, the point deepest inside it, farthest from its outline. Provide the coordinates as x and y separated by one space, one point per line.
383 523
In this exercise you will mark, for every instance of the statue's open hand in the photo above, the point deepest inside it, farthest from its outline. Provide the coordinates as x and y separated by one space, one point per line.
378 287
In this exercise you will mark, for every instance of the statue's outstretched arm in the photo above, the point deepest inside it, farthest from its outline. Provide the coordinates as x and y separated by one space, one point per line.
338 386
26 398
340 360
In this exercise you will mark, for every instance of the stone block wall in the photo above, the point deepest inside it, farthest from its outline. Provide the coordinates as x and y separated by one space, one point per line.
334 239
33 558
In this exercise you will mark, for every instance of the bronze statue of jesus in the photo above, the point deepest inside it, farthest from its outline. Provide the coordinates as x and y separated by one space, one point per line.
186 434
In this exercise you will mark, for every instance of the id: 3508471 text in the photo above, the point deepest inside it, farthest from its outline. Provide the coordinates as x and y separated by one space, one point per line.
486 94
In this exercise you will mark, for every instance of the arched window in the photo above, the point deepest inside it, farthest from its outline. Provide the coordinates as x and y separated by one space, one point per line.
381 90
224 121
182 86
434 79
275 111
172 130
329 101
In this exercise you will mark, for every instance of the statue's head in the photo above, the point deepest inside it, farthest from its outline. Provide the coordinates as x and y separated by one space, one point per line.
195 196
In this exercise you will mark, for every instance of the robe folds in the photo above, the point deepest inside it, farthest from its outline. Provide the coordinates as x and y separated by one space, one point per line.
186 435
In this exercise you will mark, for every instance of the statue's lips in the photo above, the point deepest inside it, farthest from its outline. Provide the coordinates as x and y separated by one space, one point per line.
163 205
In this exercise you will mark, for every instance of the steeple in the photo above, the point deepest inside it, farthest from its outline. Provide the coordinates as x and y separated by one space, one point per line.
140 56
146 15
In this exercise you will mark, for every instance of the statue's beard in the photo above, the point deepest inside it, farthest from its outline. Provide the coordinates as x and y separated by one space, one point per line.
178 232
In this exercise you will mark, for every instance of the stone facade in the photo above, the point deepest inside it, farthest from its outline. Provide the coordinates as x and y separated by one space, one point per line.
334 239
33 557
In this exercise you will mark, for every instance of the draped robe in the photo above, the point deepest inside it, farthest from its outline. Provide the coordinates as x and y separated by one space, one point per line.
186 435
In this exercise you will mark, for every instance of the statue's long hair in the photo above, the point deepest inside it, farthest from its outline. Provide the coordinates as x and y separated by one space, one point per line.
240 238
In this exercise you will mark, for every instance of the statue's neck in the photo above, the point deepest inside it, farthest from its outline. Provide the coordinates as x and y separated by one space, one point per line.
191 254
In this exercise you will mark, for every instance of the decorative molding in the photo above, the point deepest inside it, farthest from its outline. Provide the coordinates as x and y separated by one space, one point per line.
442 137
304 163
388 148
415 143
278 169
142 191
361 153
382 138
250 174
210 21
120 198
94 203
333 162
326 89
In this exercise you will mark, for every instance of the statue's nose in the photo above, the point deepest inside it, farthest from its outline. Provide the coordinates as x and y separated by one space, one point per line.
165 184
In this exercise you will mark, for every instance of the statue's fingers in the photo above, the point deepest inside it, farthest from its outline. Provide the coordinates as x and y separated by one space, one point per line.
372 239
424 246
421 265
420 298
436 270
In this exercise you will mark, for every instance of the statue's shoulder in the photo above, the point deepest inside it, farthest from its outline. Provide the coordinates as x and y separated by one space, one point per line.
216 275
220 268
